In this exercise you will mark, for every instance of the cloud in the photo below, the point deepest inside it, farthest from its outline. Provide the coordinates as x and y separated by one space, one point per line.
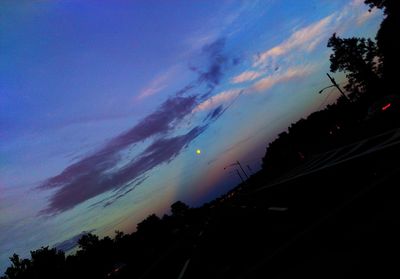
217 61
86 178
356 13
246 76
157 84
120 192
158 122
367 15
185 89
215 113
123 191
290 74
218 99
91 175
357 3
94 183
72 242
306 39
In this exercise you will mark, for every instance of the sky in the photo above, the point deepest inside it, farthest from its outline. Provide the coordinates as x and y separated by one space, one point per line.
103 104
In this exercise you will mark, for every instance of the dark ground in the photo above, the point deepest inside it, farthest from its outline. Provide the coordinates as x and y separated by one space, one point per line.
338 220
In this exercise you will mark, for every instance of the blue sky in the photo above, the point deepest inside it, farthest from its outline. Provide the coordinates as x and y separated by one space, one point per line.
103 104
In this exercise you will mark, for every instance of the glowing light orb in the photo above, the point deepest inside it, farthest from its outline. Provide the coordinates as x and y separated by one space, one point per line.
198 151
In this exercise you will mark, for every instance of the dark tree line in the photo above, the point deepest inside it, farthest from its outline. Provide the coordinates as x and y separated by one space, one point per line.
124 256
371 71
387 40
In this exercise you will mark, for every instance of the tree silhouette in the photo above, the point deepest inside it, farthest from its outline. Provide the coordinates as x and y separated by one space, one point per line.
389 6
44 263
94 258
88 242
19 268
47 263
179 209
150 225
358 58
387 40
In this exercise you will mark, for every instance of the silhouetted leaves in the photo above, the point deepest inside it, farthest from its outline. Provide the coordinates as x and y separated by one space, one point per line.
44 263
389 6
358 58
179 209
388 43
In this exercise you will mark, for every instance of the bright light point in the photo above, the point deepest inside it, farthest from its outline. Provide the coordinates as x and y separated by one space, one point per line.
198 151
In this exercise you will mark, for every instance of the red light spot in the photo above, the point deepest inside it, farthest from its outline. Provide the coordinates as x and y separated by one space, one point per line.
386 107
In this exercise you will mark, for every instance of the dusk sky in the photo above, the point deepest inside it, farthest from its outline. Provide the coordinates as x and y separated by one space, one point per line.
103 104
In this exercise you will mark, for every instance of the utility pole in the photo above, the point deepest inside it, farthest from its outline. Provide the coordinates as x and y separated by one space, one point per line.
238 173
237 162
337 86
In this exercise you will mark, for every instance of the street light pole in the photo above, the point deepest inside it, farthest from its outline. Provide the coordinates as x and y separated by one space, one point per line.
337 86
319 92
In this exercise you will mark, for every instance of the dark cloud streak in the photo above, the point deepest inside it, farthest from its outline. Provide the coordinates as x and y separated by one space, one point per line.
120 192
91 175
86 178
94 183
217 61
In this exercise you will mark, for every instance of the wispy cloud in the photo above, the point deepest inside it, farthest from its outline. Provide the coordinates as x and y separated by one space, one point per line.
77 190
157 84
356 13
218 99
217 60
264 84
120 193
290 74
101 171
88 177
216 63
306 38
246 76
215 113
367 15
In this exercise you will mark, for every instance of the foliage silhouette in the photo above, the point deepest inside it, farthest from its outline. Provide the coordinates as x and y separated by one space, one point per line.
371 72
357 57
130 254
179 209
44 263
387 41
